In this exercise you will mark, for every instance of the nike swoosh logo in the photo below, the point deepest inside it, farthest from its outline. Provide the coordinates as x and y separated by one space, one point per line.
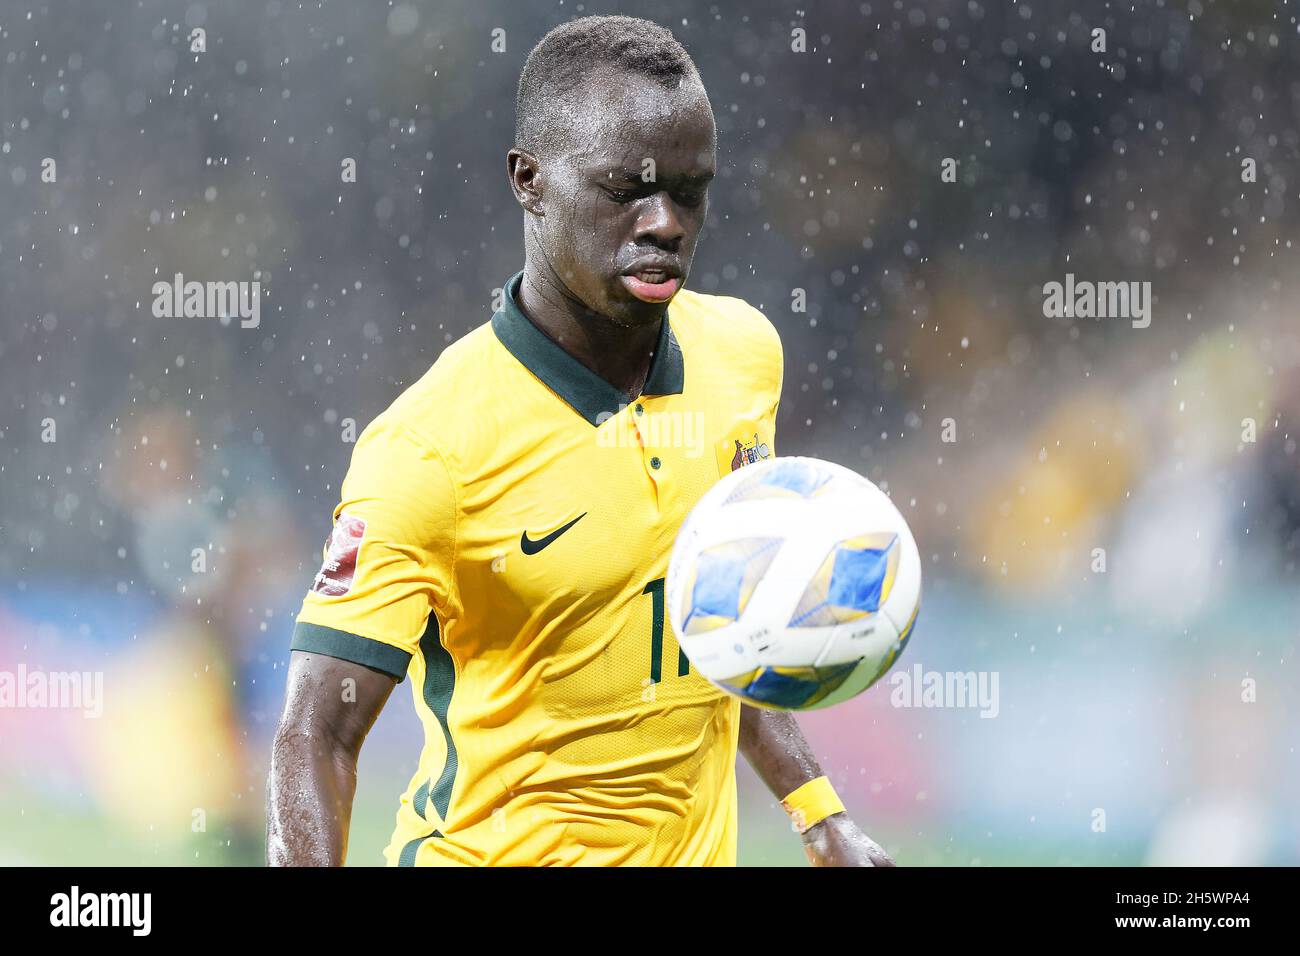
530 546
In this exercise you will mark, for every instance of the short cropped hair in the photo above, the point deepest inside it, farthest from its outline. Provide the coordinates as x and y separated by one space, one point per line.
568 54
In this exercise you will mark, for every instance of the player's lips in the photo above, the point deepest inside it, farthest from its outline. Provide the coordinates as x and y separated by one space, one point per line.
652 281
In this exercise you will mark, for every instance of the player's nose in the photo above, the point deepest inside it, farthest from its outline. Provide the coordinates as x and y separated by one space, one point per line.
659 222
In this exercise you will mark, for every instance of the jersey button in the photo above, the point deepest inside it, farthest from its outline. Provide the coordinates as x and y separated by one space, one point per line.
640 409
655 463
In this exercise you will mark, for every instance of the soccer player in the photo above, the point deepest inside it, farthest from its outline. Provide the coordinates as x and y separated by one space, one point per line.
505 526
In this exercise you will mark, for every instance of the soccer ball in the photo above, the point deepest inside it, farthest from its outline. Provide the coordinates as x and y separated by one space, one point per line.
794 584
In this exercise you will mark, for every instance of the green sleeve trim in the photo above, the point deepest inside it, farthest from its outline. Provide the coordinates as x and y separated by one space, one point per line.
316 639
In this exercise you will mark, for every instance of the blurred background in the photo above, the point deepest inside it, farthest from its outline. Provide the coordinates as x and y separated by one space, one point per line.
1109 516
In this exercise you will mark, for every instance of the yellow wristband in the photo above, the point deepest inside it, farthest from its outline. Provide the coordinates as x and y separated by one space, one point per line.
812 803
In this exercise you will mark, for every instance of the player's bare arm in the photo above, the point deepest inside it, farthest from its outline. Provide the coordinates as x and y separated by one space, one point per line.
330 706
775 747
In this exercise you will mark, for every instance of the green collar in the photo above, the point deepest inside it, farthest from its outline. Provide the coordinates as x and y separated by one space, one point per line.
590 395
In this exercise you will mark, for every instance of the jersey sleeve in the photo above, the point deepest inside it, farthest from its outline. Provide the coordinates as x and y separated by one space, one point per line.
777 375
770 364
388 562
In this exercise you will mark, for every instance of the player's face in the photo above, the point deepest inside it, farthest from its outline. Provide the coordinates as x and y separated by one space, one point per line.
624 202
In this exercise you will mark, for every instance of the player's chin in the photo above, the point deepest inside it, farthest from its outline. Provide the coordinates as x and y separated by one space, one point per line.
626 309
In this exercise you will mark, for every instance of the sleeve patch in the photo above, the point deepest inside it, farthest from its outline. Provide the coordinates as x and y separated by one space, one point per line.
340 566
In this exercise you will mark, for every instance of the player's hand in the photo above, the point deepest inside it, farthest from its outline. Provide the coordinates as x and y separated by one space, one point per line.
838 841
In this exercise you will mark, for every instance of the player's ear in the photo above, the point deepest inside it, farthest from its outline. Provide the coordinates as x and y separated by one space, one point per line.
525 179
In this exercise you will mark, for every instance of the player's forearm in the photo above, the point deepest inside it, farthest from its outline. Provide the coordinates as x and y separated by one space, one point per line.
309 802
330 706
775 747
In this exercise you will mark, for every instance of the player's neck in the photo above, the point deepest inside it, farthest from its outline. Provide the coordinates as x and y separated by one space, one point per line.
620 355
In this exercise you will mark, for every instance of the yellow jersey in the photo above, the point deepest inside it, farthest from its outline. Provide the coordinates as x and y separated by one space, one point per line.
502 536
